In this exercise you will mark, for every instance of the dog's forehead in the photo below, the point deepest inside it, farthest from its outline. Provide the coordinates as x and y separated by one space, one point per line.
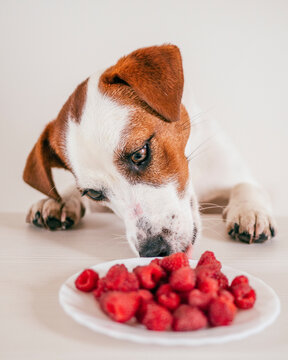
91 142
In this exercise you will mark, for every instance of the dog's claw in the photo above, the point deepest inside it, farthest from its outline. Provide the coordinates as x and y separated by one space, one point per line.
262 237
36 219
272 230
245 237
67 224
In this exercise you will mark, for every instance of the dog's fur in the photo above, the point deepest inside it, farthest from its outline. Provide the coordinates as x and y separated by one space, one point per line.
135 107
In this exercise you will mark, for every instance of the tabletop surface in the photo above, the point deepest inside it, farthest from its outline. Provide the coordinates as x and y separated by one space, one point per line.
35 262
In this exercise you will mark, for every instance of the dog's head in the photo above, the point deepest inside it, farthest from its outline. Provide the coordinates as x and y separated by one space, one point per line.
122 134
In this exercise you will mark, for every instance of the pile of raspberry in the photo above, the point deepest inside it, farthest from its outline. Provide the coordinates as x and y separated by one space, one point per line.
167 294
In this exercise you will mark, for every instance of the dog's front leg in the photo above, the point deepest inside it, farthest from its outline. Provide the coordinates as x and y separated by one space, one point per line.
248 214
55 215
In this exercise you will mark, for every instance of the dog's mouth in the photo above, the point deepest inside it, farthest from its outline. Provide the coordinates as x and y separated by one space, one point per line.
188 251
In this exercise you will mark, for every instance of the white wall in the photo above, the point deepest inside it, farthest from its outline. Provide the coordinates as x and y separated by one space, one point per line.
237 52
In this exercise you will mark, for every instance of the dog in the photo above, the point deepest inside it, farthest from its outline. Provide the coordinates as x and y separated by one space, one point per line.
133 142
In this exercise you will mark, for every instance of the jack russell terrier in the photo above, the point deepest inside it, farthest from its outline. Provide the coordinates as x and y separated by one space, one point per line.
132 146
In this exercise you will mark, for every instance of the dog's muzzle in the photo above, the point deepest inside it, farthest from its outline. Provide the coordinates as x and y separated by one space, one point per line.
155 246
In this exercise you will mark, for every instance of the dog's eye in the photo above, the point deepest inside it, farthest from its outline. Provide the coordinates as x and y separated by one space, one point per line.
94 194
139 156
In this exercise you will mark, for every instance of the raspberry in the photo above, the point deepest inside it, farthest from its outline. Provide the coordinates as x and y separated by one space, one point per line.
149 275
207 271
87 280
141 312
221 312
241 279
245 296
209 285
157 317
119 278
101 288
174 261
145 298
156 261
226 295
223 282
167 297
183 279
145 295
199 299
208 258
120 306
187 318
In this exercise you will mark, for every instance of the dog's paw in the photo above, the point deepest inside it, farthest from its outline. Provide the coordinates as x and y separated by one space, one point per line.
54 215
248 223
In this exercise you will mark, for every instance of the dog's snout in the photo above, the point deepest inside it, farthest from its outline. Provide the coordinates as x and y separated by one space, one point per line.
155 246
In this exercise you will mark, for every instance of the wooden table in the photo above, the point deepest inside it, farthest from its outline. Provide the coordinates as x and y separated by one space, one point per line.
35 262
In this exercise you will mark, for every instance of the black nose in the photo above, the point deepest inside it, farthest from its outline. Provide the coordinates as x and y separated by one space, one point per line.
155 246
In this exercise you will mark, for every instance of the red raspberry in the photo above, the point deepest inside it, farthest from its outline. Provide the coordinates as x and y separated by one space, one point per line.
119 278
157 317
174 261
87 280
226 295
145 295
199 299
245 296
149 275
241 279
221 312
183 279
156 261
167 297
142 309
120 306
223 282
208 258
209 285
207 271
101 288
187 318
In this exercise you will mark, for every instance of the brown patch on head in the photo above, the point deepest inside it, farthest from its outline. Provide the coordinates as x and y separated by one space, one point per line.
49 151
156 76
73 107
150 82
167 161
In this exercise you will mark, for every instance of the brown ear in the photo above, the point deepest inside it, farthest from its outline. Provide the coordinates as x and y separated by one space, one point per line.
42 158
156 75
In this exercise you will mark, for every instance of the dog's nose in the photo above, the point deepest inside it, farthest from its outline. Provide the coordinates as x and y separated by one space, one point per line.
155 246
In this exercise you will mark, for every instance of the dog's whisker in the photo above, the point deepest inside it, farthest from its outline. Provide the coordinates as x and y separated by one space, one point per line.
209 203
119 237
194 152
211 206
197 155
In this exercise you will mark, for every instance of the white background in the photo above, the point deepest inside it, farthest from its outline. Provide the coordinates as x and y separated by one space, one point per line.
236 52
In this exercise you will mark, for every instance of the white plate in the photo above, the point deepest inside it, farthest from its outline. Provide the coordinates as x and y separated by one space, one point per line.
85 310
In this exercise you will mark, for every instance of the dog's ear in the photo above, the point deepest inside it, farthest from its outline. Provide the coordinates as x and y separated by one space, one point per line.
41 160
156 75
48 152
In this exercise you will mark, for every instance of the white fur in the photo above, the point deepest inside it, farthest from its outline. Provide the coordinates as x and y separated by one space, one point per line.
90 144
